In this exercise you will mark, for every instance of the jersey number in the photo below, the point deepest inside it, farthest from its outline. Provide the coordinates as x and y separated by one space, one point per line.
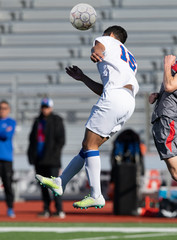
131 60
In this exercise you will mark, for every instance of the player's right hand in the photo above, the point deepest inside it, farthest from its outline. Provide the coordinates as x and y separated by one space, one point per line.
75 72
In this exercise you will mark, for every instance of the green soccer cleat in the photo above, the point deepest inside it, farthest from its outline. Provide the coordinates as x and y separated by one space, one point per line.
88 202
52 183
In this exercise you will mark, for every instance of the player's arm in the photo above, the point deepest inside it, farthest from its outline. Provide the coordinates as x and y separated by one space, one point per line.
77 74
169 81
8 132
97 52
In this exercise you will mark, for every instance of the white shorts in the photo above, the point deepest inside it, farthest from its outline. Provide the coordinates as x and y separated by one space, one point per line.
112 110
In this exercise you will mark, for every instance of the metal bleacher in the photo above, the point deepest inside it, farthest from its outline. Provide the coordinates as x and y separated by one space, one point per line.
37 39
150 3
37 42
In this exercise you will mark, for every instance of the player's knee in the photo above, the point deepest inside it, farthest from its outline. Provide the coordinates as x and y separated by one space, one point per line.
85 145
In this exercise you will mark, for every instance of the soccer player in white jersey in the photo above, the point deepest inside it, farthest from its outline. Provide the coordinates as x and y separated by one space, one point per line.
117 67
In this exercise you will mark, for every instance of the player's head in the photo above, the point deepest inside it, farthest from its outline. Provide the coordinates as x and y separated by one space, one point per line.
4 109
119 33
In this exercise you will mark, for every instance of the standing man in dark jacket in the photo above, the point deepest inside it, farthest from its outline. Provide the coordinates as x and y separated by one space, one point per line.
46 141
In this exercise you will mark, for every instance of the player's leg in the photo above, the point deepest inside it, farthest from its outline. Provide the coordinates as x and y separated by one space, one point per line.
75 165
172 166
107 117
91 143
164 131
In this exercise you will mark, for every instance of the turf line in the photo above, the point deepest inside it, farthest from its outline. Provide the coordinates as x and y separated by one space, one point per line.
90 229
148 235
128 236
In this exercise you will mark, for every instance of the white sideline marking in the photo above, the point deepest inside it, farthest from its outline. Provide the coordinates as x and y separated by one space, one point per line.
148 235
128 236
89 229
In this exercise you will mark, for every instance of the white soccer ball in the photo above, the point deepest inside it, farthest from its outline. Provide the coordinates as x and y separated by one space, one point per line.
83 16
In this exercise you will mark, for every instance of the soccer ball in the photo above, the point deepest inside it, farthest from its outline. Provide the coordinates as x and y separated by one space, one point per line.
83 16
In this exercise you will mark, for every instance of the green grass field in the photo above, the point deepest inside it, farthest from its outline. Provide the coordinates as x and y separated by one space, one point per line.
99 231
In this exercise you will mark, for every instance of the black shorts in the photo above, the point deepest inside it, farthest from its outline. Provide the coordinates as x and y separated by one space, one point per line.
164 132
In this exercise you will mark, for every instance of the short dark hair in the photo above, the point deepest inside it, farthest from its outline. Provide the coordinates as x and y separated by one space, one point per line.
4 101
119 32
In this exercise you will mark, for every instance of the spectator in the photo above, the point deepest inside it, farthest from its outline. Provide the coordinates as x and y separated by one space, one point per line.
7 129
46 141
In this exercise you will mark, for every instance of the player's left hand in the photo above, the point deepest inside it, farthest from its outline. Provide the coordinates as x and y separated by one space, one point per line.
75 72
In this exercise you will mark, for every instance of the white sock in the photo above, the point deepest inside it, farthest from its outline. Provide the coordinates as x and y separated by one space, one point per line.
72 169
93 170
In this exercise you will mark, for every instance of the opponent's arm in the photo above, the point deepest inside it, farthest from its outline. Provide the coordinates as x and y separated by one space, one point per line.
77 74
169 81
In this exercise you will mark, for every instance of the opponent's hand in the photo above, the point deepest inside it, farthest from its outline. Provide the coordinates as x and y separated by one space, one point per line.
153 97
75 72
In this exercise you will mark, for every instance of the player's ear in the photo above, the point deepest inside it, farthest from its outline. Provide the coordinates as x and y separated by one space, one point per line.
112 35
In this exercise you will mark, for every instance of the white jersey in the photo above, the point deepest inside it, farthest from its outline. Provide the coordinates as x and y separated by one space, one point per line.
117 103
119 65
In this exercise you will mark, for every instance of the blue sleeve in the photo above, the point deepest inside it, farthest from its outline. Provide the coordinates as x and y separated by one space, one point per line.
8 132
